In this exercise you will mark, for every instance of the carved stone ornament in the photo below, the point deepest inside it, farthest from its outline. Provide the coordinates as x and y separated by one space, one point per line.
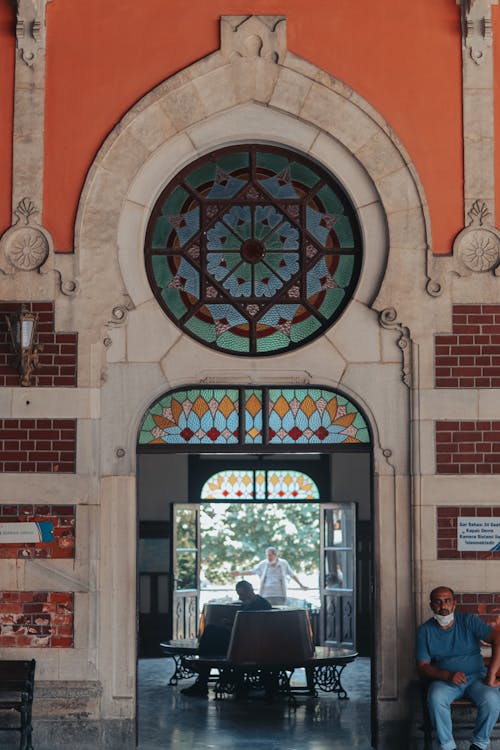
254 36
26 245
476 27
388 319
29 27
478 246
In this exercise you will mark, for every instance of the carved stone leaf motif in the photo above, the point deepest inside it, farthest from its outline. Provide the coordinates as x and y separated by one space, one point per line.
254 36
476 28
30 18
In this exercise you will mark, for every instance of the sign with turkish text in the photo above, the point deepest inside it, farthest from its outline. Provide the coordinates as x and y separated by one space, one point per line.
478 533
27 532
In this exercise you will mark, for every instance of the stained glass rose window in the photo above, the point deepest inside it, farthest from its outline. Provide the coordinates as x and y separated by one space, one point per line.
253 250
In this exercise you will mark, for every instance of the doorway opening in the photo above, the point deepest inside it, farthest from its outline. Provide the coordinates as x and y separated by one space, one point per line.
190 436
344 487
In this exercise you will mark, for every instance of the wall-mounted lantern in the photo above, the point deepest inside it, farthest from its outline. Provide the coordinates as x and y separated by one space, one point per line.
22 328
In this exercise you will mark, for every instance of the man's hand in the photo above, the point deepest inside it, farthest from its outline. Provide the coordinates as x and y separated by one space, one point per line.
492 681
457 678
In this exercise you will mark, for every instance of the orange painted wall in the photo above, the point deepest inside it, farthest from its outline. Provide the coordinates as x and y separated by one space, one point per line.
403 56
7 47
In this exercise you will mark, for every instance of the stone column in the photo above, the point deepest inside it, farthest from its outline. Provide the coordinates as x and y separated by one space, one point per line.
477 246
26 246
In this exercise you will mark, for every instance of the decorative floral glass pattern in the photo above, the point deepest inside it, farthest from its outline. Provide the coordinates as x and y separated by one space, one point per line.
261 484
253 250
195 416
314 416
269 416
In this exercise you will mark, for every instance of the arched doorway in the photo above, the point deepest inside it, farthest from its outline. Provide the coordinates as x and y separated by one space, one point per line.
190 434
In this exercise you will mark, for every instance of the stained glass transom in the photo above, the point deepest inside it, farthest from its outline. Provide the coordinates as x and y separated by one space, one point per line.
267 484
239 416
253 250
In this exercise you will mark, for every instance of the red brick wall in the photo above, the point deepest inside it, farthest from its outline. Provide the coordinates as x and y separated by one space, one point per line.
468 447
63 520
38 445
36 619
487 606
469 357
58 360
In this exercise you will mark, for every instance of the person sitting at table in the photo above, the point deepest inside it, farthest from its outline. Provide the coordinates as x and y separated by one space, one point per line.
214 640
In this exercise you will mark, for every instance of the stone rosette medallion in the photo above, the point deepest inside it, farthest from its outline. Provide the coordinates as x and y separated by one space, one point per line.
25 245
478 246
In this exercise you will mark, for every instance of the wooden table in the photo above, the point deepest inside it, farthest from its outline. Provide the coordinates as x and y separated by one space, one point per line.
323 671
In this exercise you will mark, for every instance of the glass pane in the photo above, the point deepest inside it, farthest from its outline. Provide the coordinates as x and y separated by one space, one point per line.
211 416
338 569
253 415
244 246
144 594
290 485
229 485
313 416
186 569
338 528
205 416
186 529
163 594
152 555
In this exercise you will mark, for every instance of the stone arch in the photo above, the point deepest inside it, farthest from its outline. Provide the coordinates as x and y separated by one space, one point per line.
261 92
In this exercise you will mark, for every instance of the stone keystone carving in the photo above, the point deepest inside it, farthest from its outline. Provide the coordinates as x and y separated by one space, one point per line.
26 245
29 28
476 27
478 246
254 36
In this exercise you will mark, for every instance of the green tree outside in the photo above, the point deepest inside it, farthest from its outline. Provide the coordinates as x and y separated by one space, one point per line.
234 536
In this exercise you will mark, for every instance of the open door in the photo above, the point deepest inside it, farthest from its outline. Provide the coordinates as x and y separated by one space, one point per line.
185 567
338 575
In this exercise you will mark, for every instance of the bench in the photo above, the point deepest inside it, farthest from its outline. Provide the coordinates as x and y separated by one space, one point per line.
460 703
17 680
265 649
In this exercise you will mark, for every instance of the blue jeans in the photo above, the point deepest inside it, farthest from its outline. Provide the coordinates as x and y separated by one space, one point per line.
487 699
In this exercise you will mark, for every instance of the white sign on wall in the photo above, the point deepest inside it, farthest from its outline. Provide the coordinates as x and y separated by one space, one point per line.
26 532
478 533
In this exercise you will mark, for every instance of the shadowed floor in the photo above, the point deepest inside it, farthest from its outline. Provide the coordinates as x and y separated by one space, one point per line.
168 719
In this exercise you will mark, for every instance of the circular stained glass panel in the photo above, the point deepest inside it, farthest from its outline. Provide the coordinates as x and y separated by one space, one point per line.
253 250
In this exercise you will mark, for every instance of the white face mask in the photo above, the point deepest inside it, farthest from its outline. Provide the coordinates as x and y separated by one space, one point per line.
444 620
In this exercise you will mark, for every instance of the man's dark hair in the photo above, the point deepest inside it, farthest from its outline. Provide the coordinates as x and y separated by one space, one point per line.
446 588
244 585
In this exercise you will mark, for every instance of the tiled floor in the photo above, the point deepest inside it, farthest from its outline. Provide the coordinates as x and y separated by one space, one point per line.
168 719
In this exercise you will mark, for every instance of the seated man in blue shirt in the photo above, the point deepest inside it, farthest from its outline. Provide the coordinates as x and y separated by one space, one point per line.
448 654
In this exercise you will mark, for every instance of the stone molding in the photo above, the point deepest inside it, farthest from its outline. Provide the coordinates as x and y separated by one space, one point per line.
477 32
388 319
254 36
476 248
30 29
26 245
29 105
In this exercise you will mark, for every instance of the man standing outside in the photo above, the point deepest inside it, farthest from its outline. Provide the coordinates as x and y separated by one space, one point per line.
273 573
448 655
